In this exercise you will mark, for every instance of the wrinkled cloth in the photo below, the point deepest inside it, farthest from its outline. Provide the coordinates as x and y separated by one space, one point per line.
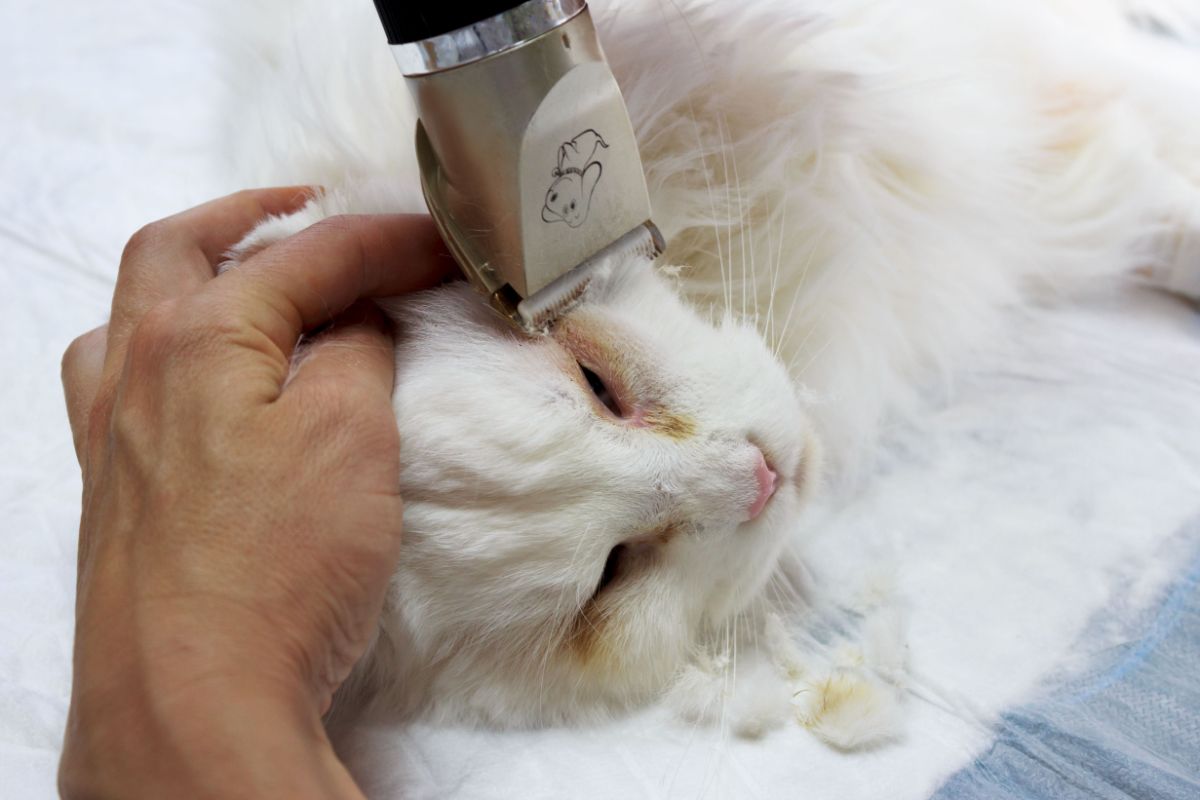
1127 727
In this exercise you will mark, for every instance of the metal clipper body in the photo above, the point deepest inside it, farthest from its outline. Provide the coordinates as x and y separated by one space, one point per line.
527 156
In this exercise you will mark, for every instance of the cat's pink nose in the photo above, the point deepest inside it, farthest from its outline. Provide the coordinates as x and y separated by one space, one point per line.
766 478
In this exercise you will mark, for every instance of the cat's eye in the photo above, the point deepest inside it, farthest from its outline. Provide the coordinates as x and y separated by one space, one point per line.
553 197
601 390
572 205
612 568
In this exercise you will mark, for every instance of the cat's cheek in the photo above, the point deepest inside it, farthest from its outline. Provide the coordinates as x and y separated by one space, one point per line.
810 471
632 638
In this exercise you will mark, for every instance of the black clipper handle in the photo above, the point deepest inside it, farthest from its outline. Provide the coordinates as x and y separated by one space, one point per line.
407 21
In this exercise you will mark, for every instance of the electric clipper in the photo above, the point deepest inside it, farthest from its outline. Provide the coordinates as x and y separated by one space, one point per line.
527 156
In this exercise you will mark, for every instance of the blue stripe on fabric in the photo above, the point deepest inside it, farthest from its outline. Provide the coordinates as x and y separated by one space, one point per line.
1128 729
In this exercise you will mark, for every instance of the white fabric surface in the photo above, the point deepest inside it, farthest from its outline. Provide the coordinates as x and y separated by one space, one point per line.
109 117
1051 486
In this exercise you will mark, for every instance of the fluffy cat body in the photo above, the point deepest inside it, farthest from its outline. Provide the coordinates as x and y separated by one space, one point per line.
857 189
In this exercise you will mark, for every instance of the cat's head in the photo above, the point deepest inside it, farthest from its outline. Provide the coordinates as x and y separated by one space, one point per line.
581 509
570 196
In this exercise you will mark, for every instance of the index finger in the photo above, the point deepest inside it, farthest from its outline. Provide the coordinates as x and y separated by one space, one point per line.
306 280
178 254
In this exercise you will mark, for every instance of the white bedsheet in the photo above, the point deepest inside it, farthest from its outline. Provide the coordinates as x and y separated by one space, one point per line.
1052 486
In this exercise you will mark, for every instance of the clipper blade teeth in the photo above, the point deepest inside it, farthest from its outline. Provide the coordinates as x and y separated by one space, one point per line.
541 309
539 316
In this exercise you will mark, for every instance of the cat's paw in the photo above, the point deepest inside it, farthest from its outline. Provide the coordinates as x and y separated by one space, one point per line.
274 229
378 195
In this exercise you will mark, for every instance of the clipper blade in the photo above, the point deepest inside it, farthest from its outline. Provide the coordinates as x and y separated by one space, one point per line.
528 159
538 312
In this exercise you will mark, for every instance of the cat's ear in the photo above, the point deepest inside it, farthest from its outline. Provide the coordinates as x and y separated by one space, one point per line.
589 177
595 140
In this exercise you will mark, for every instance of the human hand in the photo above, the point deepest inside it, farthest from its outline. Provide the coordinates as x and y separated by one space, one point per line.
241 513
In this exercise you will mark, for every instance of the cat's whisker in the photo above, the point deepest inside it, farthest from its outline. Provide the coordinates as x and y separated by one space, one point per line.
764 609
799 350
779 249
775 263
723 654
800 285
725 266
729 163
787 322
710 191
774 590
785 595
725 152
812 359
746 240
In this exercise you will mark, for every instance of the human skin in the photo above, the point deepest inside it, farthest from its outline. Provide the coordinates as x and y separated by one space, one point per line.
241 514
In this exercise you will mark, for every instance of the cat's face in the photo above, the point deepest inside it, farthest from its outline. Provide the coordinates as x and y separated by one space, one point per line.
581 509
570 197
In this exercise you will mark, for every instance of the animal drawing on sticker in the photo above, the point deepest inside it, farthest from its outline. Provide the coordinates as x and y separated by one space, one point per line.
570 196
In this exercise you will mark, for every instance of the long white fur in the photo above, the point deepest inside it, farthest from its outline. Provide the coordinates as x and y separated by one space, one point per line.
856 188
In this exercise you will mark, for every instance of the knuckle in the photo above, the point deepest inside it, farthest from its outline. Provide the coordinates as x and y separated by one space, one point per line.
158 331
161 321
124 425
196 328
72 355
146 238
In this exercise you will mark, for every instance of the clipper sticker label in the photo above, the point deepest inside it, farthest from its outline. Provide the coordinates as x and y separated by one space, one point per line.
570 195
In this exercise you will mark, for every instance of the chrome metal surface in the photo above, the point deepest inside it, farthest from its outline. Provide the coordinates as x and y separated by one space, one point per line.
536 313
485 38
528 161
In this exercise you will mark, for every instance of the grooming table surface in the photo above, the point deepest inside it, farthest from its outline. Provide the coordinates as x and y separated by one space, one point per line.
1038 533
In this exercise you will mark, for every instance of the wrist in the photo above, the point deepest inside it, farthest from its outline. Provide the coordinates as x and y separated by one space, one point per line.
228 742
165 705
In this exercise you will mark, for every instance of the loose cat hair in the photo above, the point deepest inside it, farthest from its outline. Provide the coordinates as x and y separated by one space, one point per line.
853 192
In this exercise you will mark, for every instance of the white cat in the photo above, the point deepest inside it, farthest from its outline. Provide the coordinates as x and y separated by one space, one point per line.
857 187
